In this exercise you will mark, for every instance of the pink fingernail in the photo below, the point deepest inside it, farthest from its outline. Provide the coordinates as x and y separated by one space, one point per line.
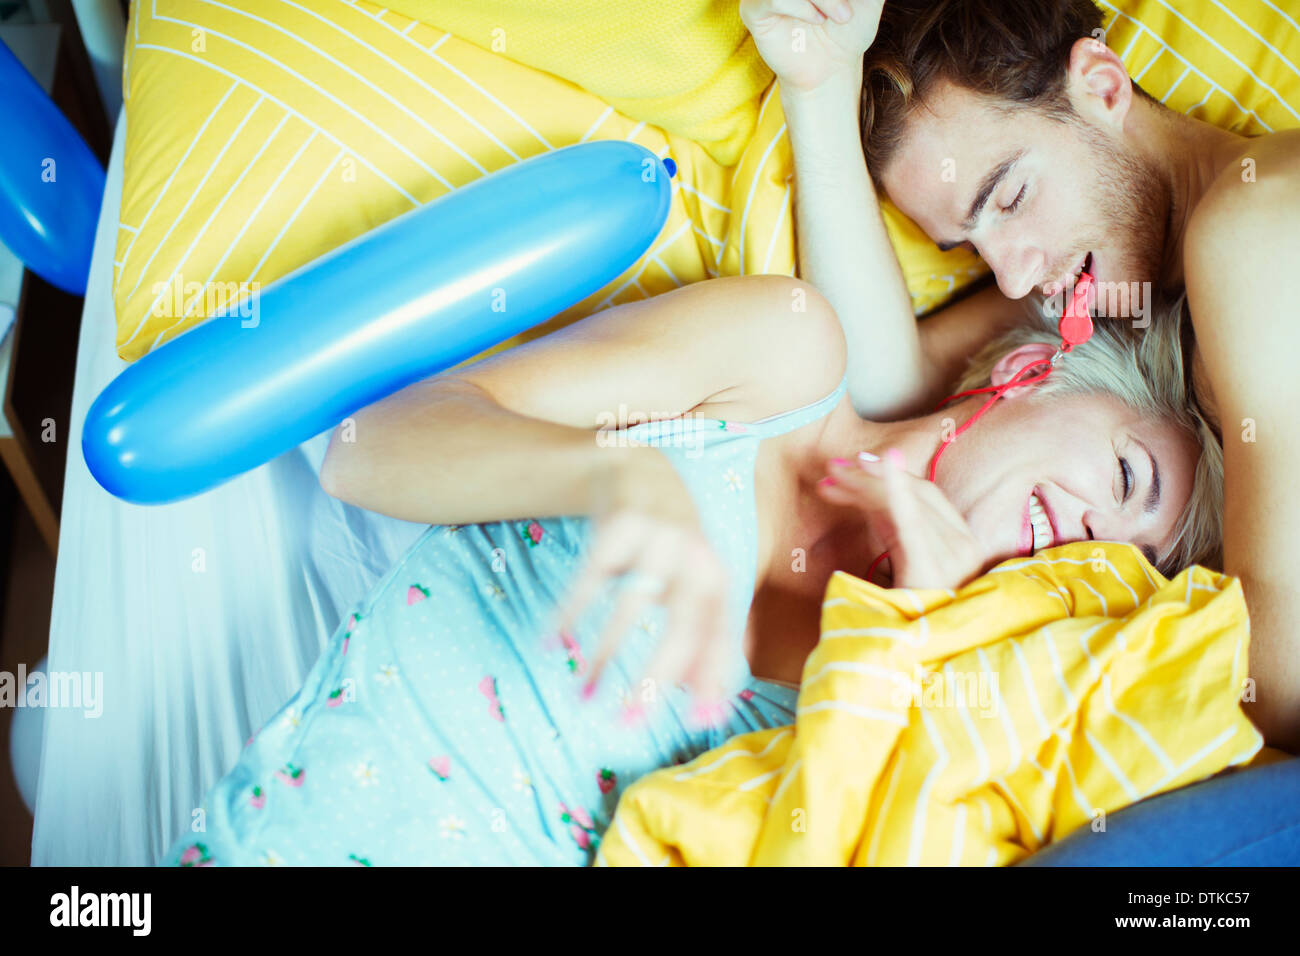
841 461
896 458
588 690
634 716
827 481
705 715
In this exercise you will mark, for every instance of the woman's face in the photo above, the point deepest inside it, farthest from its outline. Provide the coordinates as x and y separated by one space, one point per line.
1038 473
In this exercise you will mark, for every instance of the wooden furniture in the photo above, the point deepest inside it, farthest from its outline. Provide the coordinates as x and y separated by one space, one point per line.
38 354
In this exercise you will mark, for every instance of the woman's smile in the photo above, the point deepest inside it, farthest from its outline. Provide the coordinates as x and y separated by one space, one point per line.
1038 530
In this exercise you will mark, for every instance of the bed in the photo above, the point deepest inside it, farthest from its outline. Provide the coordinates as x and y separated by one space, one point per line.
202 616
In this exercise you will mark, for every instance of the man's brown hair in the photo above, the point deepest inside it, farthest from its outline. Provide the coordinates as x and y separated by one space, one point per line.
1013 50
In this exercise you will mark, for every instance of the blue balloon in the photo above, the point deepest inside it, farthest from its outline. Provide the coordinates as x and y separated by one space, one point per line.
51 183
415 296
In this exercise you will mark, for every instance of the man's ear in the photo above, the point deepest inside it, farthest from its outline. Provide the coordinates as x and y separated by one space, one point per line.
1098 84
1010 365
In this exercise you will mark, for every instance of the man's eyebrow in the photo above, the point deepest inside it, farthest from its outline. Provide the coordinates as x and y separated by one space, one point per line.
987 185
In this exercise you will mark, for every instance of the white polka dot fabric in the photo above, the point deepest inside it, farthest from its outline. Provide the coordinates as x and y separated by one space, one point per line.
442 724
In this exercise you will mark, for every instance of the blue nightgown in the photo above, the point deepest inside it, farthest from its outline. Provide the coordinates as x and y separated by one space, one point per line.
442 726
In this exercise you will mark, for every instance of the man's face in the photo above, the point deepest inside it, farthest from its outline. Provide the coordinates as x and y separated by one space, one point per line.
1032 194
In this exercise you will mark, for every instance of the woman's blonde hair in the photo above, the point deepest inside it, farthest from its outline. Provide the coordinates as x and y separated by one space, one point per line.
1149 371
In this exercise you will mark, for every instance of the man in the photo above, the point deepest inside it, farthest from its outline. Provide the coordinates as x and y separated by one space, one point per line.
1009 126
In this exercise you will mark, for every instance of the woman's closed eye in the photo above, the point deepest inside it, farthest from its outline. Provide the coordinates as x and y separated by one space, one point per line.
1015 203
1126 473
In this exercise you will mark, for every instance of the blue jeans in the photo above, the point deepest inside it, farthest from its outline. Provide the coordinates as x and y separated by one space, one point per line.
1247 818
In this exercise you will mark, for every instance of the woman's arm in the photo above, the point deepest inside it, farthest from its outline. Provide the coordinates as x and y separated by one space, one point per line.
514 435
444 451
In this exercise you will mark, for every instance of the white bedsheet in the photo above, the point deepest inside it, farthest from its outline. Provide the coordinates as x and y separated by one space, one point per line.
202 616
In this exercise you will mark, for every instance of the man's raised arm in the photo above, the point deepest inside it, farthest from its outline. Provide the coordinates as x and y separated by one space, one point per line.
894 369
843 248
845 251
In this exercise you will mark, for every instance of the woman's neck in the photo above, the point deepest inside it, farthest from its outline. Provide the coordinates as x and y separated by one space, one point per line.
845 435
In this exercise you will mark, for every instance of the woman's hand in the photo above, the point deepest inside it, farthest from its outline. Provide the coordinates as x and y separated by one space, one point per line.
835 35
648 543
930 544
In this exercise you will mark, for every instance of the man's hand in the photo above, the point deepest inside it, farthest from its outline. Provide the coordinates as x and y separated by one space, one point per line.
804 43
930 544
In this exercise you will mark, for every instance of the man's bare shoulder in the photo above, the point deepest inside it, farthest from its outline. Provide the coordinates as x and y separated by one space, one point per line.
1254 200
1239 256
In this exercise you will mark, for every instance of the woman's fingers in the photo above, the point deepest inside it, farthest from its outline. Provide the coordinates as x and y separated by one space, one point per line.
899 493
863 485
708 674
929 542
884 487
693 648
628 608
651 564
645 584
685 640
614 550
935 545
905 515
676 646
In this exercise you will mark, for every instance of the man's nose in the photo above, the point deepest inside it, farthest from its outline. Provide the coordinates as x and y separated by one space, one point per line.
1017 266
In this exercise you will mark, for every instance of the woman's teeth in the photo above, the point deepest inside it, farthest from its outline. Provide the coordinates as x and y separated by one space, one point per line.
1039 524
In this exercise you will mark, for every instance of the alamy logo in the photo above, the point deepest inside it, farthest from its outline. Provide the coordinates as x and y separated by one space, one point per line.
84 690
102 909
177 299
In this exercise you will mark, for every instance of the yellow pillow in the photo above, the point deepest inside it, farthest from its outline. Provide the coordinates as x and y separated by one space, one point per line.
973 728
1234 65
689 68
263 133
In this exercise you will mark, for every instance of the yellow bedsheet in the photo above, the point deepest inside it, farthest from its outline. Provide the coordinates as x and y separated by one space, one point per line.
968 728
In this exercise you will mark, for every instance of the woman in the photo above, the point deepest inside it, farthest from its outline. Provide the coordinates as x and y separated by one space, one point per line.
458 717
